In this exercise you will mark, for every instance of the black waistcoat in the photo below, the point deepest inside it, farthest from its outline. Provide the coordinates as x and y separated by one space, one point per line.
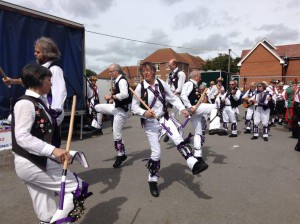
42 129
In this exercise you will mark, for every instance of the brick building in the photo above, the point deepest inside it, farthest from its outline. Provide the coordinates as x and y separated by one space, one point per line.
265 62
160 58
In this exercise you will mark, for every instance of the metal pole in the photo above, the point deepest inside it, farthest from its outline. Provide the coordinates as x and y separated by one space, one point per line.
229 60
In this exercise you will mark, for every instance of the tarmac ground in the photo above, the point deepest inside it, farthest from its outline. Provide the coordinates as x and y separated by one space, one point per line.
248 181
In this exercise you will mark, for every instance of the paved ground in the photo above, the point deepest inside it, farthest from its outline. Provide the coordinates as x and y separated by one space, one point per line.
247 182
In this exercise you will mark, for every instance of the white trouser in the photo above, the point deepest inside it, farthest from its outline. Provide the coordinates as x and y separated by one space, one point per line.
214 120
261 115
207 109
42 186
249 113
96 123
120 116
229 116
153 131
196 121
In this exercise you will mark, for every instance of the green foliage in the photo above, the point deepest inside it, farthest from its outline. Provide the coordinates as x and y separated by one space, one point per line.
90 73
221 63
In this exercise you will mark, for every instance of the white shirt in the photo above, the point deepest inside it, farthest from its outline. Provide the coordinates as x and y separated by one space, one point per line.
258 97
91 92
24 113
181 81
123 86
158 106
214 92
247 94
236 97
186 90
297 95
58 89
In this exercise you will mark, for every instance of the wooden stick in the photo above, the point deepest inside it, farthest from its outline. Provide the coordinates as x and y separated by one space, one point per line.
4 76
2 73
144 104
200 100
148 108
64 173
196 107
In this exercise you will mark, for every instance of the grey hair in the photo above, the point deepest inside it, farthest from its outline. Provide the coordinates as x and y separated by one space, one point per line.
118 68
194 73
49 48
202 86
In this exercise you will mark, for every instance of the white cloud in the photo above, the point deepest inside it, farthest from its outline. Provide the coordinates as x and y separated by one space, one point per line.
212 28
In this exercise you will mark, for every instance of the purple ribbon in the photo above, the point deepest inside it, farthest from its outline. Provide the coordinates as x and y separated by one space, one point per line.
186 121
166 128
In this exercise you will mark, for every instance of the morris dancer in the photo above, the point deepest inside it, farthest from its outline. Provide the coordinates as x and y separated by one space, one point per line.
93 100
33 125
122 99
271 88
216 89
280 104
155 93
249 106
297 113
190 97
231 101
175 81
211 97
262 111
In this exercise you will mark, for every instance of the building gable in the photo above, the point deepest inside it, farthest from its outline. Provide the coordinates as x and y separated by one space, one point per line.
264 44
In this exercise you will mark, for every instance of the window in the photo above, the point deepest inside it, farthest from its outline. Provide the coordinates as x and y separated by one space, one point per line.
182 66
157 67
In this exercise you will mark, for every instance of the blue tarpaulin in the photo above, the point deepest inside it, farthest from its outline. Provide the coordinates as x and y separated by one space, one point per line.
18 33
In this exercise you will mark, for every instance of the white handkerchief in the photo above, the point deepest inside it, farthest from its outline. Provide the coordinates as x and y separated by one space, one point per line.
79 157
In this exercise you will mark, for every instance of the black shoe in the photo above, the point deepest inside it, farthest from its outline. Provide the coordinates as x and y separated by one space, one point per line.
199 167
222 132
166 138
254 137
265 139
119 160
232 136
99 132
248 131
280 122
153 188
212 132
297 147
200 159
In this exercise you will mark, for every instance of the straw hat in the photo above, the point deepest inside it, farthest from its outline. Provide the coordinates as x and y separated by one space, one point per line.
93 78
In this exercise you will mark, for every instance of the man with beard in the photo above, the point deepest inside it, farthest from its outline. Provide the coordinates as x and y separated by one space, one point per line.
231 101
47 54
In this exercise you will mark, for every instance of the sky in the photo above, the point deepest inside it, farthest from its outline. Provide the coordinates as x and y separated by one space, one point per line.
202 28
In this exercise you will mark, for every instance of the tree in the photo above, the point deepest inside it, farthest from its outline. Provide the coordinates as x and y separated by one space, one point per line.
90 73
221 63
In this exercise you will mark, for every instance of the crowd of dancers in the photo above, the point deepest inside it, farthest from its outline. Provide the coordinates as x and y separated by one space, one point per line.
35 122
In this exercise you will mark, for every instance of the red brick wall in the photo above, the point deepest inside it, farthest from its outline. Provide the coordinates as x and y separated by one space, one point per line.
293 68
261 63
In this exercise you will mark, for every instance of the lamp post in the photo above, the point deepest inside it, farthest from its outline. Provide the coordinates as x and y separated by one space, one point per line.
229 60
